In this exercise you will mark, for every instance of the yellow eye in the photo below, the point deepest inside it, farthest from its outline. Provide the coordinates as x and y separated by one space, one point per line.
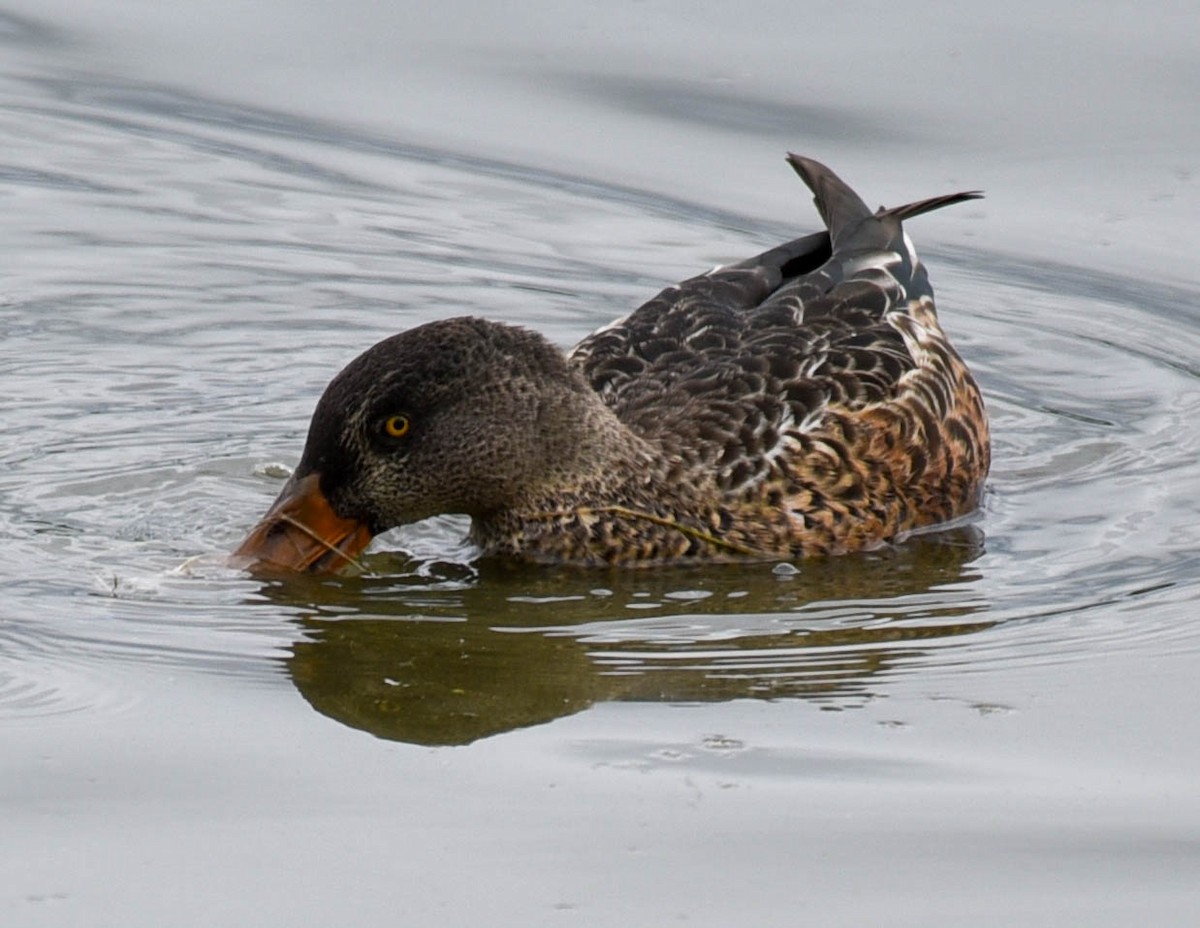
397 426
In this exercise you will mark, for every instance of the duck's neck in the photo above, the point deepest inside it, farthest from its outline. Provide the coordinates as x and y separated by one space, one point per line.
602 488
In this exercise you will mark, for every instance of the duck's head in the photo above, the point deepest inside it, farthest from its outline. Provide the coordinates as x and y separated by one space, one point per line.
458 416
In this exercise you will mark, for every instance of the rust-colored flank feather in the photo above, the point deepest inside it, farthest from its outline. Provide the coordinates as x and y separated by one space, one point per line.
805 401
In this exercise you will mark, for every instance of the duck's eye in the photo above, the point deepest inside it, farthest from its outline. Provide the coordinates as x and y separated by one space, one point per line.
397 426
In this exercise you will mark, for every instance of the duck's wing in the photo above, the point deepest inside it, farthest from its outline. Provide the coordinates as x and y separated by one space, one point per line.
726 368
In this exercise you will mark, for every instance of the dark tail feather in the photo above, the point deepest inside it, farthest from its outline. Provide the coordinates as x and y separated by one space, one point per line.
925 206
844 211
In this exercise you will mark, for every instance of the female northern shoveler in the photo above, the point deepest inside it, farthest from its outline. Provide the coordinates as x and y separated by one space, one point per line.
802 402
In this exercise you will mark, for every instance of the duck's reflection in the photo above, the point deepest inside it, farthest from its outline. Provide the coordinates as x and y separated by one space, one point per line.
449 660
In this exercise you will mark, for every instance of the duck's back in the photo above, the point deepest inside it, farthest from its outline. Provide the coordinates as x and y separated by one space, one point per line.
813 380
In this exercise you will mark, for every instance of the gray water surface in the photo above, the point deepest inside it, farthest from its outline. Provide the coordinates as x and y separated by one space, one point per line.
204 214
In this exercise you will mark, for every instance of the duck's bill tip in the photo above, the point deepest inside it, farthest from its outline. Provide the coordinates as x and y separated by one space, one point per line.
301 532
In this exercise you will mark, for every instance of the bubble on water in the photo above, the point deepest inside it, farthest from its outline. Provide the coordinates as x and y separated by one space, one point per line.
275 469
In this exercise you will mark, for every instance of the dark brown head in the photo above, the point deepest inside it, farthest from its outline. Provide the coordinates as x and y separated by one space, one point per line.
458 416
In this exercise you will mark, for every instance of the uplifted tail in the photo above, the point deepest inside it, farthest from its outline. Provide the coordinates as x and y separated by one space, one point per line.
851 223
927 206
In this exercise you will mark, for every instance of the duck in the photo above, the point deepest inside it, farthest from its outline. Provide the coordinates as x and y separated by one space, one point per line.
802 403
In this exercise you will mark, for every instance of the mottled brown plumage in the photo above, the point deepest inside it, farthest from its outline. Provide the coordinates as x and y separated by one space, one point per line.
805 401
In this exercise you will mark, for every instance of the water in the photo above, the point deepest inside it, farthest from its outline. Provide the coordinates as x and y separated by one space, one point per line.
206 216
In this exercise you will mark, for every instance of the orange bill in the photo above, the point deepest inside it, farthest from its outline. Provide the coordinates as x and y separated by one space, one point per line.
302 532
